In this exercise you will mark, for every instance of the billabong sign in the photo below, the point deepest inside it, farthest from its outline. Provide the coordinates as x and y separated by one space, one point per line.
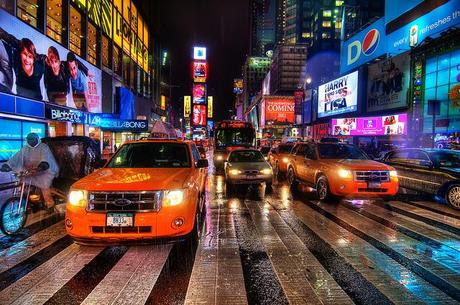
110 123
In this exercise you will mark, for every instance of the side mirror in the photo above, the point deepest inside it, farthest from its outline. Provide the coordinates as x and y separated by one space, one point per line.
202 163
426 163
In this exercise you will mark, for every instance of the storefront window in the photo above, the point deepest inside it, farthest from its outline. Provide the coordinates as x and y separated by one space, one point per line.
54 24
28 11
76 32
7 5
92 44
106 58
117 60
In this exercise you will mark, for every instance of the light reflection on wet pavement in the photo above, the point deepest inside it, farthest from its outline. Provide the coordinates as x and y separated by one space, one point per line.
255 248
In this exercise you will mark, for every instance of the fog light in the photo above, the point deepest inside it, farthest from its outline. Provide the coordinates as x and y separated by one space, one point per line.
177 223
68 223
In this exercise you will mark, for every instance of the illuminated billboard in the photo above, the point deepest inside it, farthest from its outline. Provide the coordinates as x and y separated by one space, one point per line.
238 85
46 71
199 53
199 115
200 71
210 106
199 93
187 105
338 96
279 109
370 126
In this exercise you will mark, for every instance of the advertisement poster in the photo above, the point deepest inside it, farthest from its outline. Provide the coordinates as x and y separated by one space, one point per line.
388 83
199 115
238 85
279 110
370 126
210 107
199 93
338 96
35 67
200 71
187 106
199 53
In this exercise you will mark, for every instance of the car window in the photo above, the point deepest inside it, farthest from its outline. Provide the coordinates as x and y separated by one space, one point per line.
340 151
418 155
310 152
446 159
246 156
285 148
195 153
301 151
151 155
398 157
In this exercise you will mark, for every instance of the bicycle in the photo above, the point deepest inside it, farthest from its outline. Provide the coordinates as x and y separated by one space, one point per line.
14 212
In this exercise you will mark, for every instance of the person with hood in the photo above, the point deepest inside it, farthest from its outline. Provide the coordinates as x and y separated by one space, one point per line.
36 157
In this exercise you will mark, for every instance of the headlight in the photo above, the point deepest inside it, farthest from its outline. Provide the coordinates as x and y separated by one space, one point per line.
234 172
78 198
285 160
266 158
219 157
393 174
345 173
172 198
266 171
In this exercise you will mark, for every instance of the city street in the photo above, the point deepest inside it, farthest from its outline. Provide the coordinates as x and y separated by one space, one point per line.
253 250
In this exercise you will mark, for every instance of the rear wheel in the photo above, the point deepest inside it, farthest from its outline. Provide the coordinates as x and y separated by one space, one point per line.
12 220
453 196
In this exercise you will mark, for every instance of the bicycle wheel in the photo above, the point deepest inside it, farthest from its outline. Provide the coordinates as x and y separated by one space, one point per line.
11 220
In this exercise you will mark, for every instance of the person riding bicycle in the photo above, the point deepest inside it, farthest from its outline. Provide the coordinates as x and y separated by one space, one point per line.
37 158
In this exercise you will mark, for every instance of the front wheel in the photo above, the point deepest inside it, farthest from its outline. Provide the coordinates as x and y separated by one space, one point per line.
12 220
292 180
322 190
453 196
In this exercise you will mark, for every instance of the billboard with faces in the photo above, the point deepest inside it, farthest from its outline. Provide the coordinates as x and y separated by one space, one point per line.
36 67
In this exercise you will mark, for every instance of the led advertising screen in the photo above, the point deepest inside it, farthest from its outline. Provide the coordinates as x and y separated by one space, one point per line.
200 71
187 106
199 115
371 126
35 67
210 107
388 83
199 53
199 93
238 85
279 110
338 96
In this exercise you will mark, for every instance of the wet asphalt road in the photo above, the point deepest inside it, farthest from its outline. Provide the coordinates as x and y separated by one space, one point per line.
254 249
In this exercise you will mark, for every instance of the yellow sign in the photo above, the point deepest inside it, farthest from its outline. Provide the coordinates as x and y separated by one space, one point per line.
187 106
163 102
210 106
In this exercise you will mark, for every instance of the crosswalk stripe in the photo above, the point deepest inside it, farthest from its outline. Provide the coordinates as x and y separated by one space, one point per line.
132 278
435 207
217 274
76 289
28 247
289 264
40 284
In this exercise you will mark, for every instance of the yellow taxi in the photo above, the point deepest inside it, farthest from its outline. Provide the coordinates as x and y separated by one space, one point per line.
149 189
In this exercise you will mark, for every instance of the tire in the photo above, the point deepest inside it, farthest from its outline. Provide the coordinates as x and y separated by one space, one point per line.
292 179
12 224
453 196
323 191
268 187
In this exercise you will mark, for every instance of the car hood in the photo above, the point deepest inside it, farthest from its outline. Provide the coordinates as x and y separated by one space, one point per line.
249 165
358 164
134 179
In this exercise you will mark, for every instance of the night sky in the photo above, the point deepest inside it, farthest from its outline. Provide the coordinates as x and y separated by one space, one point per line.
221 26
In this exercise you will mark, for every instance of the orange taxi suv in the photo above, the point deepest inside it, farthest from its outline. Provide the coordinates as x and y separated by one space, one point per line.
149 189
337 170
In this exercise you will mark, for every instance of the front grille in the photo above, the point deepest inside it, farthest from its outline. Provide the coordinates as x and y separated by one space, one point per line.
372 190
251 172
372 176
125 201
121 230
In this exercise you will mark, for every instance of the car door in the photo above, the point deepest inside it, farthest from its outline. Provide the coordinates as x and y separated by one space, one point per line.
310 164
302 162
423 177
399 160
200 172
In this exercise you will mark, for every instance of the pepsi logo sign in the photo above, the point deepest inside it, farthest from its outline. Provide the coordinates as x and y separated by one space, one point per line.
367 47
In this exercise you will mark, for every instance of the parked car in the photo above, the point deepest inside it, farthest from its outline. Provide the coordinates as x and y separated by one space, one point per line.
278 157
247 166
148 189
432 171
340 170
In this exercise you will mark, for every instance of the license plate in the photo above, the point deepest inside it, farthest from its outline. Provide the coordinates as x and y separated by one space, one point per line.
120 219
374 185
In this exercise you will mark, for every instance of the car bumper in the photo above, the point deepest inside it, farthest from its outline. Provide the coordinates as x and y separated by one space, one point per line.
240 179
82 225
363 189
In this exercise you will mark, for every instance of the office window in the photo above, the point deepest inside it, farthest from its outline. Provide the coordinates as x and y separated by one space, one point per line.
326 35
54 24
92 44
327 13
306 35
76 31
326 24
125 69
117 60
7 5
28 10
106 57
338 3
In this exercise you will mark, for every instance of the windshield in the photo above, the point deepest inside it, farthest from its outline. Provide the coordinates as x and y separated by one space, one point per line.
340 151
151 155
246 156
235 136
285 148
447 159
264 150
